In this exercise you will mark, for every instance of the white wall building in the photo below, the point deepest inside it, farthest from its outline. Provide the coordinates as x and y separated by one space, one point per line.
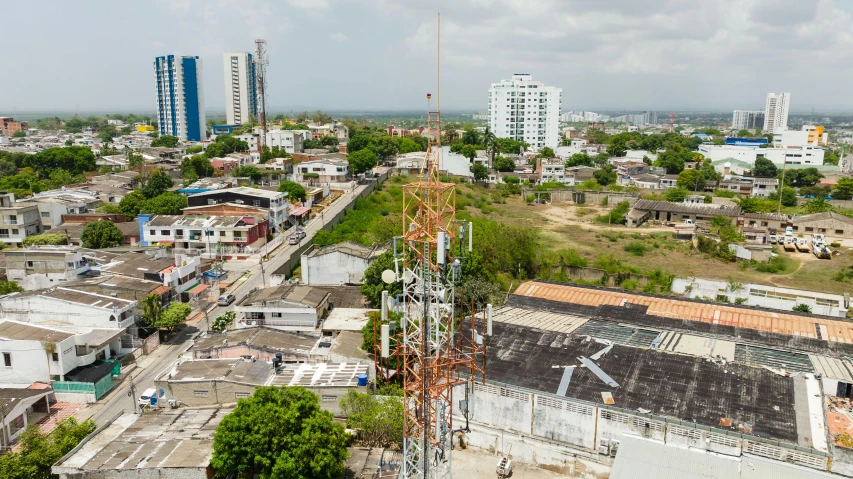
802 155
776 111
526 110
342 263
67 306
251 139
330 170
45 266
747 120
286 307
290 140
240 87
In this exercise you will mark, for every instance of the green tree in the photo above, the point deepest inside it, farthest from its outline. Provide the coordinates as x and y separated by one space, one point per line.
173 316
830 158
468 151
546 152
197 166
74 159
491 143
503 164
223 321
45 239
379 420
359 142
386 148
816 205
39 452
789 196
320 118
168 141
8 287
579 159
276 152
673 159
101 234
278 433
362 161
168 203
7 167
19 134
693 180
294 190
132 204
843 190
764 168
471 137
135 161
676 195
749 204
479 170
194 149
372 284
247 171
152 308
605 175
711 174
744 134
803 177
157 184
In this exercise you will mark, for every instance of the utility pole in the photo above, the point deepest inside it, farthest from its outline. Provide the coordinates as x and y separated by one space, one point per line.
781 187
132 394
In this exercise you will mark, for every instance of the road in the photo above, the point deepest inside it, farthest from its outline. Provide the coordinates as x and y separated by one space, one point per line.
151 366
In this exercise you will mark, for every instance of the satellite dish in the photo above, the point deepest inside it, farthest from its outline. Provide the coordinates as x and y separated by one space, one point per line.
388 276
408 276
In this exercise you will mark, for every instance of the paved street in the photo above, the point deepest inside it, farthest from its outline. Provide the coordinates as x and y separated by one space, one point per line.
151 366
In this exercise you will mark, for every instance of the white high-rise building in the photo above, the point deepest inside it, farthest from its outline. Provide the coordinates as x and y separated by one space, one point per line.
776 112
180 97
747 120
526 110
241 84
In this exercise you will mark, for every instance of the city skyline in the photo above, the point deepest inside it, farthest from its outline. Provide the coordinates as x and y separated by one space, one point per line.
604 55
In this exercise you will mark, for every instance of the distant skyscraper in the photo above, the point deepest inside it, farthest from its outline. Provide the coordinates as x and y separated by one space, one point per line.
241 86
180 97
776 111
526 110
748 120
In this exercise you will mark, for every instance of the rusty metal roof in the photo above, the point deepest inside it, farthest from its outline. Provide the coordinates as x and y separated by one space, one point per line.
712 313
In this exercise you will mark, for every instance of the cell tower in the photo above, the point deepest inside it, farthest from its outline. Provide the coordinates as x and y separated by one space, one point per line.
431 348
261 62
671 122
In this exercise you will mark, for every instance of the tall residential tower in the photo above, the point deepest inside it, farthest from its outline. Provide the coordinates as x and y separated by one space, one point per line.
526 110
776 112
180 97
241 85
747 120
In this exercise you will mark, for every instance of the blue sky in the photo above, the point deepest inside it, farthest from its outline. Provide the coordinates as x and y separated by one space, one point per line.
380 55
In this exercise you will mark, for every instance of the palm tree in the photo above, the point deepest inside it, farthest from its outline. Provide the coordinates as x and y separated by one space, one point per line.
151 308
471 137
490 141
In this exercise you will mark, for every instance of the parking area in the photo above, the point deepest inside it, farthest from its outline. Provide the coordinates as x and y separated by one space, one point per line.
468 463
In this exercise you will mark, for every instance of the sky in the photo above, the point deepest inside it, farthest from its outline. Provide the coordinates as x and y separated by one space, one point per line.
381 54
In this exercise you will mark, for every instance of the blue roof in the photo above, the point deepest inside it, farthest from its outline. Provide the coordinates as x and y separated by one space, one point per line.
701 135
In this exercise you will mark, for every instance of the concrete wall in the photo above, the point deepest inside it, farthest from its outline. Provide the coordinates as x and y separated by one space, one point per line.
142 473
40 309
842 460
333 268
829 227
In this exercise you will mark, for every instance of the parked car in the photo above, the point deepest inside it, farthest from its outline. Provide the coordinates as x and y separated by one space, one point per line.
145 398
297 237
772 239
226 299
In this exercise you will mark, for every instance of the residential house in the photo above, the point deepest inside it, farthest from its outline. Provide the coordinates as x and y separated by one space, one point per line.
770 222
261 343
576 175
74 231
203 233
342 263
276 170
63 305
124 287
645 210
8 126
646 181
828 223
764 187
291 141
39 267
207 184
181 272
668 181
275 202
330 170
550 170
53 204
286 307
19 220
22 405
335 128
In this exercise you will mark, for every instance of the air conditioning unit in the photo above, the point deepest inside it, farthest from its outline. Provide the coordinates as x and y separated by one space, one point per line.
173 403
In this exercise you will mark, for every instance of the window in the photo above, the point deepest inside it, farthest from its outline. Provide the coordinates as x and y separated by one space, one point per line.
839 232
763 223
809 229
29 264
200 394
165 232
45 214
328 398
70 265
152 232
7 360
211 202
257 202
221 233
54 356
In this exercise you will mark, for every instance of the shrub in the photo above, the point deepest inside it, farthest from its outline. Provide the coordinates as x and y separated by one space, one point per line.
803 308
636 248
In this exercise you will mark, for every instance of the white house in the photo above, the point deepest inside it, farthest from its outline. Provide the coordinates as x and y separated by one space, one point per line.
342 263
286 307
330 170
67 306
791 155
290 140
41 353
40 267
19 402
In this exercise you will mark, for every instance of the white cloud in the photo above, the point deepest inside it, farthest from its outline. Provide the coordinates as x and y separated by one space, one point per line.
338 37
309 4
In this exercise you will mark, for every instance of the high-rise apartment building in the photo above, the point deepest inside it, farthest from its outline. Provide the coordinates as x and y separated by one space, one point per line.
776 112
180 97
241 85
748 120
526 110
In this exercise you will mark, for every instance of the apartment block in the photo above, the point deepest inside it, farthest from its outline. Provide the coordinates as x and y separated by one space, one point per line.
241 83
526 110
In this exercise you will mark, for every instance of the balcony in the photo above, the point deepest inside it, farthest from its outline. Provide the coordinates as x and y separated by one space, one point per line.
13 222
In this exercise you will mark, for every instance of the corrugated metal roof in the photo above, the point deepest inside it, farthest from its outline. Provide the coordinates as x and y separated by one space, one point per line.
831 368
761 320
640 458
561 323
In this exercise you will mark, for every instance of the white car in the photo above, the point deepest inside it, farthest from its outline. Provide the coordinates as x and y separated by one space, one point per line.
297 237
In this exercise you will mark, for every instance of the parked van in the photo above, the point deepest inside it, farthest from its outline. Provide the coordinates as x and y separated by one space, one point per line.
145 398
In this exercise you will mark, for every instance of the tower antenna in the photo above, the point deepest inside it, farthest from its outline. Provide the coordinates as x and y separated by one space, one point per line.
261 62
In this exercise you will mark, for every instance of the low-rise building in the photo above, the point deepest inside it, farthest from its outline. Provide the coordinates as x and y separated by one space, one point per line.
647 210
261 343
291 141
331 170
22 405
286 307
182 272
828 223
45 353
70 307
204 234
335 129
550 170
19 220
275 202
174 443
74 231
8 126
40 267
342 263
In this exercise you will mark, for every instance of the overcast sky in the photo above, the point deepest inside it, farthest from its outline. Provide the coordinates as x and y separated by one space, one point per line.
380 54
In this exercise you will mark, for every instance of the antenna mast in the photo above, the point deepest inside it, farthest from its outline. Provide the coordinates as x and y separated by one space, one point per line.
261 62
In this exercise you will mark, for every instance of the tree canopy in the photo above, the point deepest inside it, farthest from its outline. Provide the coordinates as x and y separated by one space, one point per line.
378 420
294 190
101 234
168 141
173 316
503 164
157 184
39 451
362 161
372 284
224 145
764 168
468 151
605 175
693 180
280 432
196 166
7 287
73 159
168 203
479 170
247 171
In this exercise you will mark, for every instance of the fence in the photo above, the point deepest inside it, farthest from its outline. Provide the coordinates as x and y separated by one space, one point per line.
98 389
